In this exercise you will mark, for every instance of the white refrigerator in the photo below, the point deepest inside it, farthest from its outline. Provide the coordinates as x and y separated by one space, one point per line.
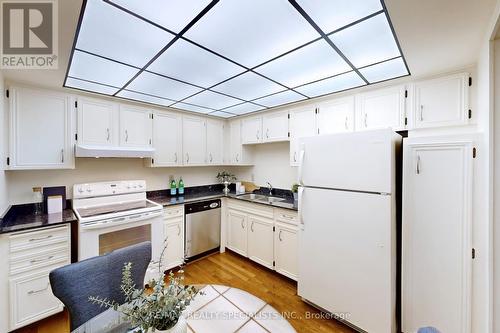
347 239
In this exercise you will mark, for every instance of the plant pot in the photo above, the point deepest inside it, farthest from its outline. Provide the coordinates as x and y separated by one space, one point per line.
226 188
180 327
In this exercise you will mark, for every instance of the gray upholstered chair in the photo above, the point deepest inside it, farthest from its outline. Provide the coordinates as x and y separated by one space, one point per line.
99 276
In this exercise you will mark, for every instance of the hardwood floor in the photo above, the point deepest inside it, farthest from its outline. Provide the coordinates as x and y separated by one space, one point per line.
233 270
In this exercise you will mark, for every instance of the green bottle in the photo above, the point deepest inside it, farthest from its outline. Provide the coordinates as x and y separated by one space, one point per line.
173 187
181 186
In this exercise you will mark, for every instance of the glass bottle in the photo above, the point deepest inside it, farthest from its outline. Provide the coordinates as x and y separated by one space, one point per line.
181 186
173 187
37 200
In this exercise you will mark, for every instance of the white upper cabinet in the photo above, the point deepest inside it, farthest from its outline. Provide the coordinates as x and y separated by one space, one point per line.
251 130
97 122
135 126
336 116
381 109
215 141
275 126
235 147
194 140
167 139
41 129
302 124
441 102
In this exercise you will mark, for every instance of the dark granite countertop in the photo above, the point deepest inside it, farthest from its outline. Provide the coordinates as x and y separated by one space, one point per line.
201 193
23 217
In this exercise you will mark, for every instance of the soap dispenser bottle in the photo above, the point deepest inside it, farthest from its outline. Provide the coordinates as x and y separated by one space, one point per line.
181 186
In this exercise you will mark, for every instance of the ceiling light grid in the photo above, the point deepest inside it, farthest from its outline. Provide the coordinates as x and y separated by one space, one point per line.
233 57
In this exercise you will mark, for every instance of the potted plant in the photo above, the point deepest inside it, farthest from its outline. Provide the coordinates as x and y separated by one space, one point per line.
226 178
157 308
295 191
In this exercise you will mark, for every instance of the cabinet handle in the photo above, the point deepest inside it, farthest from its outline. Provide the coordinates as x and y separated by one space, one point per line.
108 134
31 292
257 134
34 261
279 236
295 156
418 165
267 133
345 124
242 225
251 227
366 119
187 157
126 135
211 159
39 239
287 217
421 113
237 157
178 230
175 155
62 155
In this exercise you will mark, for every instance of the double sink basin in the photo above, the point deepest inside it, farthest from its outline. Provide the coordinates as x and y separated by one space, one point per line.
260 198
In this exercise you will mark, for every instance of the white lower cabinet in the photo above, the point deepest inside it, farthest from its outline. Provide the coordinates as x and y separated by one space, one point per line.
286 250
173 229
260 240
237 232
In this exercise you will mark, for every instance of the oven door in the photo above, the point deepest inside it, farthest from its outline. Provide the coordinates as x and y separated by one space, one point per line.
101 237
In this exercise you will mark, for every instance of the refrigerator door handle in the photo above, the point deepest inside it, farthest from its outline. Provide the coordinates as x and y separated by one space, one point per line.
301 162
300 197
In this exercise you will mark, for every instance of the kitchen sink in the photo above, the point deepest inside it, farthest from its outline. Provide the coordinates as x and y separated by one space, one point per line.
252 196
270 199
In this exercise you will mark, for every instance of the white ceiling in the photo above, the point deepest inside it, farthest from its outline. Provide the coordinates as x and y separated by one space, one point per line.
435 36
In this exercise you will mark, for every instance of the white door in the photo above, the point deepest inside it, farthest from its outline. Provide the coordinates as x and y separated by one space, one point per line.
97 122
302 124
275 126
384 108
336 116
251 130
441 102
237 232
235 146
261 240
347 248
41 131
167 139
437 236
174 238
215 141
286 245
135 127
194 140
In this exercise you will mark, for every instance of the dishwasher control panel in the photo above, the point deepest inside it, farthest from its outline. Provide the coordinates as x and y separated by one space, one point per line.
201 206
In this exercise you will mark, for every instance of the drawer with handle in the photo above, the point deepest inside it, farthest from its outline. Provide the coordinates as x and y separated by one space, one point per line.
286 216
175 211
30 261
40 238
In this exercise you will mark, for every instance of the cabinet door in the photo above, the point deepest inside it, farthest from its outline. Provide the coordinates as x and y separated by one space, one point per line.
441 102
174 239
381 109
275 126
237 232
235 146
31 299
437 236
215 141
167 139
336 116
41 131
194 140
97 122
251 130
286 250
261 240
302 124
135 127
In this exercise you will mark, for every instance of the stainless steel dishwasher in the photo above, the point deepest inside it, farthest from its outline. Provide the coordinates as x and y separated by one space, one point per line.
202 227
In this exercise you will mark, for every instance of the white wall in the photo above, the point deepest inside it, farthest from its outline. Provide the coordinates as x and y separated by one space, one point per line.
4 202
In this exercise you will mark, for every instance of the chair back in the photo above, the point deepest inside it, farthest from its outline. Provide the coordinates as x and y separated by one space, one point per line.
98 276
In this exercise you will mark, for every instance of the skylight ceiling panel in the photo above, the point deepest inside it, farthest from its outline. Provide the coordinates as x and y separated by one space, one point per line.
144 98
331 15
115 34
331 85
210 99
244 108
171 14
385 70
251 32
88 67
367 42
310 63
193 64
90 86
221 114
192 108
248 86
160 86
281 98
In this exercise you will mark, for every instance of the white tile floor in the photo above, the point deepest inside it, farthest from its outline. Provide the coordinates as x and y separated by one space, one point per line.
228 310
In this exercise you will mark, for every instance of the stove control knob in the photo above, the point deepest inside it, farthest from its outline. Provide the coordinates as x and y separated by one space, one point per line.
80 190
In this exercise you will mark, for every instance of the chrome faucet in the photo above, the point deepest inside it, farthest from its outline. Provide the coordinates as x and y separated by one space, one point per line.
270 188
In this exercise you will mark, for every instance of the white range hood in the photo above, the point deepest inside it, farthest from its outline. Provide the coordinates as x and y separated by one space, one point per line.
113 151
